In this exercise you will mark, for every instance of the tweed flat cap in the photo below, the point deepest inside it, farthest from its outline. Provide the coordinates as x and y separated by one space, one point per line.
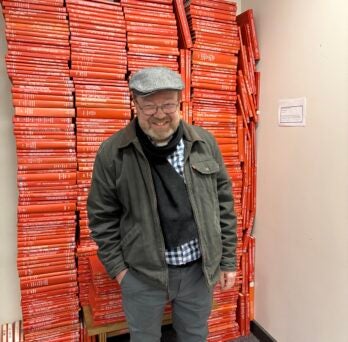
150 80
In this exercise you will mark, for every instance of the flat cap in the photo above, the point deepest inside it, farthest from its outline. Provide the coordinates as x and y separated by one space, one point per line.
150 80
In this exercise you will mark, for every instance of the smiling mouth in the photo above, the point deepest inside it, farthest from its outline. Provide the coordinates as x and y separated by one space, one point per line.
160 123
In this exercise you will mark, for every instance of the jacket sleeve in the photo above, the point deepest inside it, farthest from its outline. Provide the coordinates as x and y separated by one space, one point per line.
104 213
228 219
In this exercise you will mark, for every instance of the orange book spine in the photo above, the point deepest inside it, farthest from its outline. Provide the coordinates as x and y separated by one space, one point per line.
149 19
106 5
47 166
200 12
99 13
241 314
41 144
148 12
33 6
154 29
56 176
31 111
103 113
182 23
213 86
247 17
152 41
214 57
182 65
163 6
188 76
240 133
244 94
35 97
231 7
42 103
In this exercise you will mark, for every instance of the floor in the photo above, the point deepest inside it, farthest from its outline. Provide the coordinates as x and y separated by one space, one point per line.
168 335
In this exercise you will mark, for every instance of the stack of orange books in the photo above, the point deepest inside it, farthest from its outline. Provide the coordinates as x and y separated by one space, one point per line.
104 295
248 91
185 72
37 34
102 100
214 62
152 36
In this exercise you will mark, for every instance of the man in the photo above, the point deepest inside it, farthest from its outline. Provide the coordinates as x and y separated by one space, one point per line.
161 211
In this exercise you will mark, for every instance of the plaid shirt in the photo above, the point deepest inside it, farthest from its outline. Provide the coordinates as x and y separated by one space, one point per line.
189 251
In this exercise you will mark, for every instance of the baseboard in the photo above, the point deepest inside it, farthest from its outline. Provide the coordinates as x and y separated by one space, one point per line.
260 333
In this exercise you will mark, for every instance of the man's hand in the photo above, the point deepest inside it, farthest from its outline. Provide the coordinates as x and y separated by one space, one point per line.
121 275
227 280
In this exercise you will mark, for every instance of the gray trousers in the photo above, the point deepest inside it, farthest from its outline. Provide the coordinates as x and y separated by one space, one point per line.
189 295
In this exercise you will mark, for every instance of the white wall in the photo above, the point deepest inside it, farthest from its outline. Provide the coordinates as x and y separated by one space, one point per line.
9 283
239 6
302 200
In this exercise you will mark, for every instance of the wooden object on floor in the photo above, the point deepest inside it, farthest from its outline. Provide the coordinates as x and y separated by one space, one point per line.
108 330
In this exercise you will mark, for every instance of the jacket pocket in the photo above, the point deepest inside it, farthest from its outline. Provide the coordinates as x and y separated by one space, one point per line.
206 167
131 245
204 185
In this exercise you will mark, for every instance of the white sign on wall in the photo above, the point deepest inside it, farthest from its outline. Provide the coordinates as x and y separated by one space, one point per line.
292 112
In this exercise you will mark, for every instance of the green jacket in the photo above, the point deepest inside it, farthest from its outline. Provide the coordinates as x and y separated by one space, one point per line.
122 207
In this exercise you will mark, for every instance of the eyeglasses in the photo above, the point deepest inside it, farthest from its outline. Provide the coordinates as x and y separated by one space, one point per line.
167 108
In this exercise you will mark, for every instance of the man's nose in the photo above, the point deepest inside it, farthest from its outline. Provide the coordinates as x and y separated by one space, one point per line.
160 113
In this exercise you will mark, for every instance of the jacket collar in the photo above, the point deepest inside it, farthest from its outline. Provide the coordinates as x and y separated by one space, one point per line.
129 135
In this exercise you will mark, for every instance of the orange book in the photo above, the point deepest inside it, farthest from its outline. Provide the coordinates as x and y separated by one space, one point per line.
210 85
163 7
38 27
43 120
58 112
156 19
166 50
27 16
88 19
214 57
247 18
151 28
251 301
141 40
47 166
244 94
96 74
39 55
187 55
105 5
231 7
149 12
36 97
230 25
41 103
55 176
232 49
97 11
75 56
201 12
41 16
183 24
103 113
240 132
47 279
35 6
38 40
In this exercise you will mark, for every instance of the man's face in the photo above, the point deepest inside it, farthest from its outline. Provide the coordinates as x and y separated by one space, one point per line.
158 114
